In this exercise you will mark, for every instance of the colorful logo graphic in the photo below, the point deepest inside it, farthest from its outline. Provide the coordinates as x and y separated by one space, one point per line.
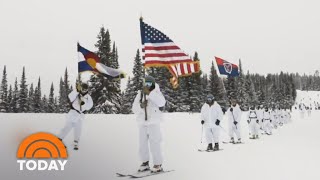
38 149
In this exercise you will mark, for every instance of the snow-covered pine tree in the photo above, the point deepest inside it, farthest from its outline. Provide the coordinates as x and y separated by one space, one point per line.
31 99
66 91
44 102
205 87
115 95
128 98
23 95
137 71
133 86
260 88
172 96
294 89
105 93
4 102
216 87
253 98
56 105
195 89
37 98
182 100
9 109
231 88
115 63
51 103
242 95
14 104
62 97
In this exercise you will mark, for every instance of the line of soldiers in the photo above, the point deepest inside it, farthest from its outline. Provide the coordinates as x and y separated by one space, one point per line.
258 118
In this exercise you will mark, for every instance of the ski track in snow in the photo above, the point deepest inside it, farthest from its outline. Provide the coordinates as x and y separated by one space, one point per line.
109 144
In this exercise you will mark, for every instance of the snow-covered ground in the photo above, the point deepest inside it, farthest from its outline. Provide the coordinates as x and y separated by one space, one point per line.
109 144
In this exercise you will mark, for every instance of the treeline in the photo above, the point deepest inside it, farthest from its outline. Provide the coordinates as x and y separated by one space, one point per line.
27 98
307 82
272 90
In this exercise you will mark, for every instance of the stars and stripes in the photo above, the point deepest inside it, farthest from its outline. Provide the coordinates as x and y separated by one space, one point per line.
182 69
160 51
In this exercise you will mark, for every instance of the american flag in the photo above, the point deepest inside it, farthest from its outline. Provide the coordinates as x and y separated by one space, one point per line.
160 51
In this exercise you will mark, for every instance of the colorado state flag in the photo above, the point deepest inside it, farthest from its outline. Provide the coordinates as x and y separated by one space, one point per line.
89 61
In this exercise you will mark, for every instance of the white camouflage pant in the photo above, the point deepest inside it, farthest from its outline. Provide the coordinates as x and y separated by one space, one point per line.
234 129
212 134
254 126
150 135
74 120
267 126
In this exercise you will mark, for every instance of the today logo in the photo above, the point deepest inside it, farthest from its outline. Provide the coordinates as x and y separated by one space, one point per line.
42 151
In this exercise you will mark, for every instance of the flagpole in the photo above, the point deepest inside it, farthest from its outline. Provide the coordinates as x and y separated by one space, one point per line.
144 95
79 79
144 72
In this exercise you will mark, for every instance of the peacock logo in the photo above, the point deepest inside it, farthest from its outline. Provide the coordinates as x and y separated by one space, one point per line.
42 151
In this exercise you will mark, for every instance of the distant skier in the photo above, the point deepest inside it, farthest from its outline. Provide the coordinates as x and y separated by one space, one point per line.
302 110
274 116
80 101
253 123
287 116
149 129
280 116
267 120
260 116
234 116
309 110
211 116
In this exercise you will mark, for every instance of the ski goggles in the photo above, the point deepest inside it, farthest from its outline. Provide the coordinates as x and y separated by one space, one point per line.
84 89
210 99
148 84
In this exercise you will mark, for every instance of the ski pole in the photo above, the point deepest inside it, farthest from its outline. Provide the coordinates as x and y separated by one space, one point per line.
201 133
224 130
225 142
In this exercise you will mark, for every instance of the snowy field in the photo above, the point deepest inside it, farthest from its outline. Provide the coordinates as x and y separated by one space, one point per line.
109 144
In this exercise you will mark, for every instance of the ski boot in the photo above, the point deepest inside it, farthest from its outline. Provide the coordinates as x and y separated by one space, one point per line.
216 147
156 169
232 140
76 145
239 141
144 167
210 148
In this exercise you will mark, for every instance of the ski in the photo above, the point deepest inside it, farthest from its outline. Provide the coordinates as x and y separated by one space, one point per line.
141 174
204 150
133 174
224 142
121 175
149 174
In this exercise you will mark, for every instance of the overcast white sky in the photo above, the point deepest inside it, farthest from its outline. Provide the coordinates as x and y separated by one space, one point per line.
268 36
